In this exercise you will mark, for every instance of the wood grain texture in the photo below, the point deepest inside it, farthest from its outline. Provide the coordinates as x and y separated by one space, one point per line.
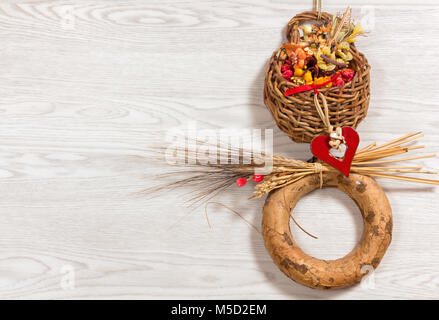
85 85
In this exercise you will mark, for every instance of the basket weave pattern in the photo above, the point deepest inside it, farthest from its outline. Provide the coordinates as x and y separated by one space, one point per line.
296 114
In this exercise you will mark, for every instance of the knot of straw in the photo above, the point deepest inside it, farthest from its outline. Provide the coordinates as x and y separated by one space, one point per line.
318 168
324 115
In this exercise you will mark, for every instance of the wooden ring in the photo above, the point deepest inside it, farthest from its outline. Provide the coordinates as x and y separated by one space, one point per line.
328 274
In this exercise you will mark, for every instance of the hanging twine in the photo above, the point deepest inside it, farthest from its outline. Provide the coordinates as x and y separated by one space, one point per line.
323 114
319 9
337 139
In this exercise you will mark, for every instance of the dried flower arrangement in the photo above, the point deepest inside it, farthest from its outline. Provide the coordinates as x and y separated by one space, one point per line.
322 55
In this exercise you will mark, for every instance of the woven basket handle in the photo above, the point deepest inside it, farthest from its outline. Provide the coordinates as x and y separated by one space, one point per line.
293 34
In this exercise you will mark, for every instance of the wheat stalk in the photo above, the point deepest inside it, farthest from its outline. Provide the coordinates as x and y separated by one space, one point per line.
371 154
208 178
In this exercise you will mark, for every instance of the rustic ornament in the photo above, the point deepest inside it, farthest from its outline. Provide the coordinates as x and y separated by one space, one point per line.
328 274
321 148
317 89
348 95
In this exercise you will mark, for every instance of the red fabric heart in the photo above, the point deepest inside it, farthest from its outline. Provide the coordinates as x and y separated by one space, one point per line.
320 148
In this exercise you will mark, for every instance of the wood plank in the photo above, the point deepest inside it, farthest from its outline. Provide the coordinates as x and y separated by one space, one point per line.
87 86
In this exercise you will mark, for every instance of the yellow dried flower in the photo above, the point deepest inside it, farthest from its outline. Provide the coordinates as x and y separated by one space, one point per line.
308 77
321 80
327 66
344 53
298 81
358 31
298 71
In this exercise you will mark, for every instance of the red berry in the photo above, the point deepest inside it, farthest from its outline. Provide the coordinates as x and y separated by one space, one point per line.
287 74
347 74
240 182
338 82
258 177
285 67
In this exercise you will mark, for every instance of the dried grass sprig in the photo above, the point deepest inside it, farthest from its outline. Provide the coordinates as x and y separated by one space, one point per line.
343 22
209 177
368 155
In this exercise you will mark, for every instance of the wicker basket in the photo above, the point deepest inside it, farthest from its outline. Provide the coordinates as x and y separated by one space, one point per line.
296 114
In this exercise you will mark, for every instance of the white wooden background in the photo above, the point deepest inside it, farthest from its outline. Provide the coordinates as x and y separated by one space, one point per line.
84 84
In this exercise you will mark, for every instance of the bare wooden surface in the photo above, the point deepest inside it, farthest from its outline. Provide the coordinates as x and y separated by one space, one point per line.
84 84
